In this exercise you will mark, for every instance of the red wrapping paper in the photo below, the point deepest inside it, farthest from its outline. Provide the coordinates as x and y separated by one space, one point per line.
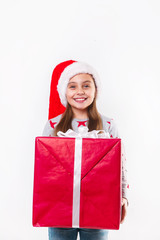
100 192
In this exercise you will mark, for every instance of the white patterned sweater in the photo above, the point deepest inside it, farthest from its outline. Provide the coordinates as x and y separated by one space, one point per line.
108 125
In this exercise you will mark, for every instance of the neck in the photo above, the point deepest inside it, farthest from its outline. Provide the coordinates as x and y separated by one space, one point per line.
80 114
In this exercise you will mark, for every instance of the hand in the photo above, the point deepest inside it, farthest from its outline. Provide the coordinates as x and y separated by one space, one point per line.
124 209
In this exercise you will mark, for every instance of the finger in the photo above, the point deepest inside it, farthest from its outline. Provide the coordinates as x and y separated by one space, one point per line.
123 214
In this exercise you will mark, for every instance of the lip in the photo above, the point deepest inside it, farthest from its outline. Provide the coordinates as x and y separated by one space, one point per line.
80 100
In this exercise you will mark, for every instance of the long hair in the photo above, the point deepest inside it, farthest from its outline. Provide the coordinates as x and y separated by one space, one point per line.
95 121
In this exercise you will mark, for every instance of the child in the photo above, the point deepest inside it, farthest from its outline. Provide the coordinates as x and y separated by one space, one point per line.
74 90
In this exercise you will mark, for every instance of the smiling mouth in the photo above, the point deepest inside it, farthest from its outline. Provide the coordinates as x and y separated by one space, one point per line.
80 100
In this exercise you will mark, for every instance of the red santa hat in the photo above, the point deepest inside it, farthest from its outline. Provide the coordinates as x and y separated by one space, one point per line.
61 75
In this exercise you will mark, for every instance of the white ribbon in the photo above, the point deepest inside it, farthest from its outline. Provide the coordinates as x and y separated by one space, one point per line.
77 182
82 133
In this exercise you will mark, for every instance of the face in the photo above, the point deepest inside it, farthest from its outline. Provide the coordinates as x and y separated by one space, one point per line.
81 91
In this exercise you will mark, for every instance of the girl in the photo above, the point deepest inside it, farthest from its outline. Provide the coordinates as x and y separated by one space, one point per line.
73 93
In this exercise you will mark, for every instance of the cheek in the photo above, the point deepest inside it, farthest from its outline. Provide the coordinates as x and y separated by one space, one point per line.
92 92
68 94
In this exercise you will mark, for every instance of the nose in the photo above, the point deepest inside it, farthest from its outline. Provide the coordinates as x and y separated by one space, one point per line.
80 90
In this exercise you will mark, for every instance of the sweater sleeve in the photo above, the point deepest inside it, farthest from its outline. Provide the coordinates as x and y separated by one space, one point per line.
48 130
113 131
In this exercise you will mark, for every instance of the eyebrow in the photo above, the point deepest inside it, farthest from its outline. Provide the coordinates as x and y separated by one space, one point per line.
83 82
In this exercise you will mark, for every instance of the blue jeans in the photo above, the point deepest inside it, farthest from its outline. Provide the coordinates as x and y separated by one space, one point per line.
71 234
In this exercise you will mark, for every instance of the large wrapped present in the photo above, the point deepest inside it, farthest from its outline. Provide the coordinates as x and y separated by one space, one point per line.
77 182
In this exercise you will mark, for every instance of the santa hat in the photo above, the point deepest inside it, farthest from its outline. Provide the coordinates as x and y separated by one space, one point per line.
61 75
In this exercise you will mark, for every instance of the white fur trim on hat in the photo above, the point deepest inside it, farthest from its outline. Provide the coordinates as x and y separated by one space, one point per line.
70 71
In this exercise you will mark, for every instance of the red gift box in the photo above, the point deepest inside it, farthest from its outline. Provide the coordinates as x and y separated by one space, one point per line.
56 198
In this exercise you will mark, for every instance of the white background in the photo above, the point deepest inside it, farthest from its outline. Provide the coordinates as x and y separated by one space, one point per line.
121 39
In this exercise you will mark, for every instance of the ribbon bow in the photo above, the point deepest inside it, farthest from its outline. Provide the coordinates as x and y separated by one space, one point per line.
83 133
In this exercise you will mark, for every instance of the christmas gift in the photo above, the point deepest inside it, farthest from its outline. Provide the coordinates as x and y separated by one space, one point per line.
77 181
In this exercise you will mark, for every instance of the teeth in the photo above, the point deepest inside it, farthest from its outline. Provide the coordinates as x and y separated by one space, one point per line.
79 98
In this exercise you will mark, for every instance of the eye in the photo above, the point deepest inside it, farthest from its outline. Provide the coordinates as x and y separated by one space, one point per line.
72 86
86 85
